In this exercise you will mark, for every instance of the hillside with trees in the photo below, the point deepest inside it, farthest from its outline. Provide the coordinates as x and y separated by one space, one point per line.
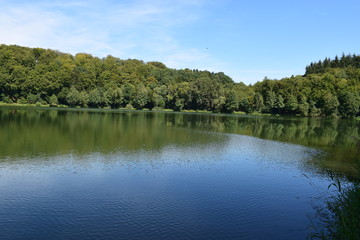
329 88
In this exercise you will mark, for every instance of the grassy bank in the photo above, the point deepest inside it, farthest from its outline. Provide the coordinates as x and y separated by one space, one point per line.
3 104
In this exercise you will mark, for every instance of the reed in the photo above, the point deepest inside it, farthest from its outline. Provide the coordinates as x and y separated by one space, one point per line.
341 218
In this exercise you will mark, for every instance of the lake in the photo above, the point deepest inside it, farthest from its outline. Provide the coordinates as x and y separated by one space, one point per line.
155 175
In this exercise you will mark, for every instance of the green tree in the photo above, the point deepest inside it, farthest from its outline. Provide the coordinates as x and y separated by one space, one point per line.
74 98
33 98
231 102
179 104
53 100
291 103
330 105
258 102
128 93
83 99
158 101
303 106
98 98
270 101
313 110
244 105
329 87
115 97
141 97
219 103
349 104
279 103
62 96
95 98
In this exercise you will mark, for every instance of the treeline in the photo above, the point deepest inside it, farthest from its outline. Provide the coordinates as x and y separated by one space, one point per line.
31 75
345 61
335 93
43 76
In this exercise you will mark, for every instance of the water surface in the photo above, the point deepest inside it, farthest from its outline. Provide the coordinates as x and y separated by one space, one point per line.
144 175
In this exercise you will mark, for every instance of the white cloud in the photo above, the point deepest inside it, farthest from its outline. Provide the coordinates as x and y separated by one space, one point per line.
139 29
184 59
34 26
25 26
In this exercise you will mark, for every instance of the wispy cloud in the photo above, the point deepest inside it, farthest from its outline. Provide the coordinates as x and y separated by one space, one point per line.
239 34
27 26
96 26
140 29
41 26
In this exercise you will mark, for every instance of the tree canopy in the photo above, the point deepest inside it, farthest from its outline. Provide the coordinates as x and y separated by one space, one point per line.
329 88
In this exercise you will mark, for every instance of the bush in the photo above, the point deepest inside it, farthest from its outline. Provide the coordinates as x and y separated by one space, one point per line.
22 100
53 100
157 109
32 98
129 107
7 99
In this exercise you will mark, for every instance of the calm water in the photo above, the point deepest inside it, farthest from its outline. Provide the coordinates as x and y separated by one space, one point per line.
144 175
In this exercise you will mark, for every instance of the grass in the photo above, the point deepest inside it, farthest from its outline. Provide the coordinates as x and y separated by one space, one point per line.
346 214
341 218
24 105
196 111
259 114
240 113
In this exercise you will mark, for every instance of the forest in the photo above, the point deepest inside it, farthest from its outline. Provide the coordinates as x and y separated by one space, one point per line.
329 88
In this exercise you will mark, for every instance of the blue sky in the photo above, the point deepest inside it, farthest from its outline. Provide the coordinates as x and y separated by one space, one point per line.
247 40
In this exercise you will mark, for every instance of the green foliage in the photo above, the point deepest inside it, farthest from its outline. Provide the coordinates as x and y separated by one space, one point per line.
7 99
313 110
330 88
115 97
141 97
98 98
349 104
345 208
75 98
158 101
331 92
258 102
129 107
340 219
22 100
344 61
303 107
95 98
231 102
330 105
72 97
179 104
245 105
32 98
83 99
279 103
270 101
53 100
128 92
291 104
220 102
